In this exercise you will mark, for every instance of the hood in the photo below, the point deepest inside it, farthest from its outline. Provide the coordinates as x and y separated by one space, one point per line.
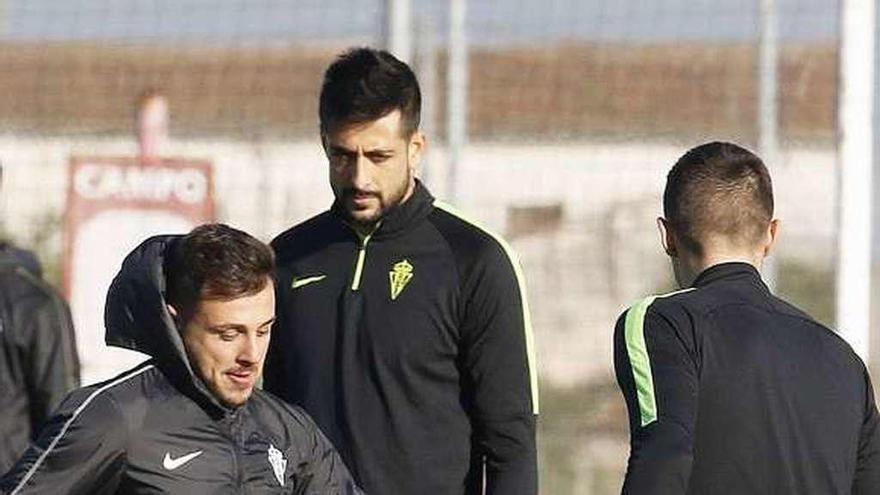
136 317
11 256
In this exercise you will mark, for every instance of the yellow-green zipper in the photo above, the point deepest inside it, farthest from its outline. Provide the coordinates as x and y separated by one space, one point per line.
362 255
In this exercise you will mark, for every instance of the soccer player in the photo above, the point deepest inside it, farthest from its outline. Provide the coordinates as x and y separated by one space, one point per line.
730 389
402 328
189 420
38 360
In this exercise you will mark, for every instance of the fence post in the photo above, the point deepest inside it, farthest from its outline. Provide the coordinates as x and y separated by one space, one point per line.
768 115
457 93
855 155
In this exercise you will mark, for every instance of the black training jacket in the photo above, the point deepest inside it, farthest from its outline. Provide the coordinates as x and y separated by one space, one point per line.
410 348
731 390
38 361
156 428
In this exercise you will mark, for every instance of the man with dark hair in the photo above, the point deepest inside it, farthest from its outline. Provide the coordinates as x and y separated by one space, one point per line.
403 329
728 388
39 364
718 197
190 419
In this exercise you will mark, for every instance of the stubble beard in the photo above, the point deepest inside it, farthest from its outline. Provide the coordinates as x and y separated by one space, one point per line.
382 208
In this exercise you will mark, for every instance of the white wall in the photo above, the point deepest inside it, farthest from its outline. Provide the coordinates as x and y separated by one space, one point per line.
581 275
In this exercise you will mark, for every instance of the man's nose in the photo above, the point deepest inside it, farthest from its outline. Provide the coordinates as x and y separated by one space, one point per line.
360 172
249 352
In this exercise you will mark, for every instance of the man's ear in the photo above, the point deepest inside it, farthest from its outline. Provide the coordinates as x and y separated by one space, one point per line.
770 236
667 239
416 148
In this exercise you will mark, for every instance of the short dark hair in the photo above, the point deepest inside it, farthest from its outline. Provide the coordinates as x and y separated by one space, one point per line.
718 189
215 262
365 84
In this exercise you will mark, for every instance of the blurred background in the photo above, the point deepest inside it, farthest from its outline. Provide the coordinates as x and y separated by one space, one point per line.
552 122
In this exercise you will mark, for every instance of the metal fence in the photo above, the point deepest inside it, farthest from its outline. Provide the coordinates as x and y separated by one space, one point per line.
554 125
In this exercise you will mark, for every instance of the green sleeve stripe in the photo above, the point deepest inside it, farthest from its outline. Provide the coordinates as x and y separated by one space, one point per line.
521 281
639 359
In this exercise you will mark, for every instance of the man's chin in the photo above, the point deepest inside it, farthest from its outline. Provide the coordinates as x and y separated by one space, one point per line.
235 401
364 218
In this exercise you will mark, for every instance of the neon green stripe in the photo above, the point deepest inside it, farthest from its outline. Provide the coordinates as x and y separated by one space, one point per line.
640 361
527 314
362 255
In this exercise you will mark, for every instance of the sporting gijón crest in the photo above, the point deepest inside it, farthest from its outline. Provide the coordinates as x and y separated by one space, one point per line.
400 275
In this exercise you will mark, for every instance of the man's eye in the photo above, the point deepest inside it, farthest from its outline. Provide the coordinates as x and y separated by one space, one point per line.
229 336
340 161
379 158
262 333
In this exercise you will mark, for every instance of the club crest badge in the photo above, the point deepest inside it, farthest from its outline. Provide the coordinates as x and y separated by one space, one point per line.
278 463
400 275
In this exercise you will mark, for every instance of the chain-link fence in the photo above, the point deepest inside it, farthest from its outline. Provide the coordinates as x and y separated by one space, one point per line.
574 113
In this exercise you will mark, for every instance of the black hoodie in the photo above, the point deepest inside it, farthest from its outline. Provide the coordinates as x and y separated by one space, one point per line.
38 362
156 428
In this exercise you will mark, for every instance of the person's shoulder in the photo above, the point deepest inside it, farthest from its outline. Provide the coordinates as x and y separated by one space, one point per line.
27 299
104 405
308 235
127 389
822 334
788 310
469 241
12 256
19 283
459 227
674 306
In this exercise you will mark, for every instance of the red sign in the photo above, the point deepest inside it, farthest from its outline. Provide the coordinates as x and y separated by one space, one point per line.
114 204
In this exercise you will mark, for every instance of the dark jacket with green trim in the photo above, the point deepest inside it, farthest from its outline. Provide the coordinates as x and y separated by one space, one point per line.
38 360
157 429
410 349
731 390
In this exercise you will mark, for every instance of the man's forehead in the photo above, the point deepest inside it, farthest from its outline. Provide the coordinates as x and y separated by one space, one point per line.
259 305
379 133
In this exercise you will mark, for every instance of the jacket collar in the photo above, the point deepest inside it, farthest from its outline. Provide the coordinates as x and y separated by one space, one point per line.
402 217
729 271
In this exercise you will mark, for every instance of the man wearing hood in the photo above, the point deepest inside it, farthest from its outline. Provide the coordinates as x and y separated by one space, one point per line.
190 420
38 361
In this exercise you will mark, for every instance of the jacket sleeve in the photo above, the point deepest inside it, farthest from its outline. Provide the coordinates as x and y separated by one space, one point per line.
497 368
52 366
321 471
658 377
80 450
867 476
